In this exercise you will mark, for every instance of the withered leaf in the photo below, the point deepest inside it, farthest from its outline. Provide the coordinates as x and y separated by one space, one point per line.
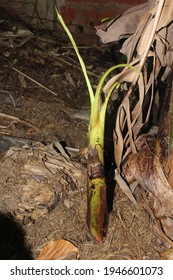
124 25
148 171
58 250
123 185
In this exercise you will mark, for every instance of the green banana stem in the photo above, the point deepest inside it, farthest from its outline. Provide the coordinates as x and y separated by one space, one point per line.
97 213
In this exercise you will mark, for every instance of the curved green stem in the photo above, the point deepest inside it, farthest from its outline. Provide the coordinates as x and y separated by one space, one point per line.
90 90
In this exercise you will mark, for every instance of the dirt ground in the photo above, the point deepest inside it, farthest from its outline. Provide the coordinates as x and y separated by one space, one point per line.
42 185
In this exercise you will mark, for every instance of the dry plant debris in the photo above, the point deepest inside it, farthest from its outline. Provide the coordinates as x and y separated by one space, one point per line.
148 101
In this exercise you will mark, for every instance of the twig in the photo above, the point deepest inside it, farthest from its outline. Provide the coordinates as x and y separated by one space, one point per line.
34 81
18 119
10 117
63 60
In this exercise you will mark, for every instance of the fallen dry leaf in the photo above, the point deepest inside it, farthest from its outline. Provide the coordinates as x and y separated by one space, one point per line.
58 250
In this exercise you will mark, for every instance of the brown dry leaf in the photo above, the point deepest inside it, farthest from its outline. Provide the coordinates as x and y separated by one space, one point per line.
147 170
125 188
124 25
58 250
118 142
144 38
139 39
141 43
166 16
126 75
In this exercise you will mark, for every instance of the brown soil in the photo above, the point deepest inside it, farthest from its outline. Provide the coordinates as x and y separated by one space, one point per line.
50 203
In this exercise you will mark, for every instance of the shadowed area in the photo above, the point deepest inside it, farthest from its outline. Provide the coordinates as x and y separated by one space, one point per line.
12 240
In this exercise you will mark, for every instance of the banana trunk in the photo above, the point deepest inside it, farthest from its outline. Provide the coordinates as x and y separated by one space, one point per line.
97 214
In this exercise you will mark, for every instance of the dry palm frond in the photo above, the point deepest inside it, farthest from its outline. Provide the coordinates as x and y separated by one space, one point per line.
139 48
150 50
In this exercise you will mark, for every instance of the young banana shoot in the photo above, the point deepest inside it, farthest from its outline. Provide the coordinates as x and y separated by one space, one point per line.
97 214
